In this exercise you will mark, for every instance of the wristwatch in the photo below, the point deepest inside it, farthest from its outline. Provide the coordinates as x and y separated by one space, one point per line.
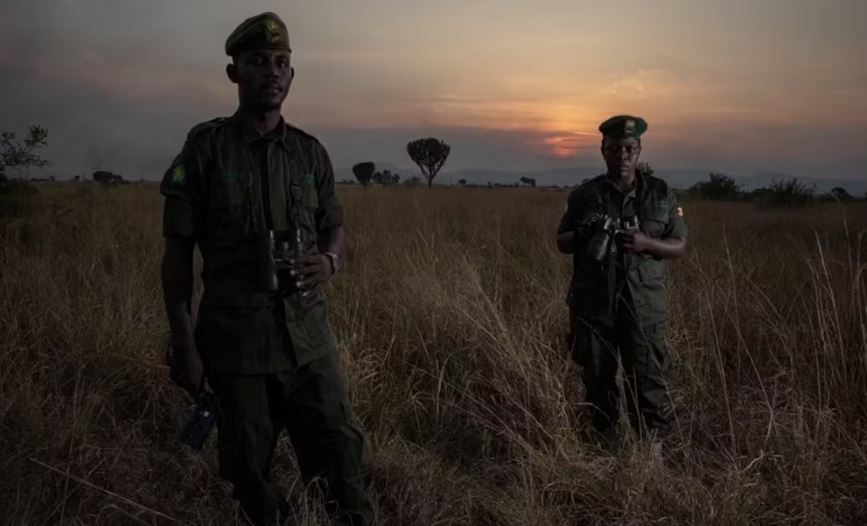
334 259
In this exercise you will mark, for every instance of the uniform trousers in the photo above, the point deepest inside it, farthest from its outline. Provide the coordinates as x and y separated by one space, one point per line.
310 403
600 348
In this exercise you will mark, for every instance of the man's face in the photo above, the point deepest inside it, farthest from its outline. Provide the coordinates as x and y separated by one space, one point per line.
263 77
621 155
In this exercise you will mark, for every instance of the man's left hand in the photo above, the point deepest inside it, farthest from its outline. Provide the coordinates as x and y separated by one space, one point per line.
311 273
637 242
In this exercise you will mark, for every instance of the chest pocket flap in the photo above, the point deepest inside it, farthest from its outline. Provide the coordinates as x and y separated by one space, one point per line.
654 219
229 201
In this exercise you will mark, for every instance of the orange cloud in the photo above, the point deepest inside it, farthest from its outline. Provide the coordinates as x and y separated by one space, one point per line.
568 144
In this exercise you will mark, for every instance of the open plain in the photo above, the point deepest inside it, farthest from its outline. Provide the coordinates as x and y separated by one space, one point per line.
450 321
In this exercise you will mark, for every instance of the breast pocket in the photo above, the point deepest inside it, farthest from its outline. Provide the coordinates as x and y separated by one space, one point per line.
229 204
654 221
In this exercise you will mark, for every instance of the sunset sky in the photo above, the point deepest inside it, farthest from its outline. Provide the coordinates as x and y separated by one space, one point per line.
740 86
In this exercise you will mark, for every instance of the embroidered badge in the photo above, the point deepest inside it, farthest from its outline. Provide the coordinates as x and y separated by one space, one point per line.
272 32
679 212
179 175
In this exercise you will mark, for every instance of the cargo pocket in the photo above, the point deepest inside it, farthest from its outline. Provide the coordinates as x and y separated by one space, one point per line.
308 328
650 298
651 273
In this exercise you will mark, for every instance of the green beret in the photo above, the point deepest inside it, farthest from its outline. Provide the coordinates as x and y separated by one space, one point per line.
265 31
623 127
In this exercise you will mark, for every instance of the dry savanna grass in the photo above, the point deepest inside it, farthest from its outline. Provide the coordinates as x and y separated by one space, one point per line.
450 321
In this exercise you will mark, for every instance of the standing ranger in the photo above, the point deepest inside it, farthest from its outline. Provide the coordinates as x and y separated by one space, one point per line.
257 197
619 227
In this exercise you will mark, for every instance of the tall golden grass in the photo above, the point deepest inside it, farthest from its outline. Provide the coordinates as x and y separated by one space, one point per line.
450 320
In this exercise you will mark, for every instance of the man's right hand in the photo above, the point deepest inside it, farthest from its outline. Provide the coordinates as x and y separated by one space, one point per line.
185 363
185 368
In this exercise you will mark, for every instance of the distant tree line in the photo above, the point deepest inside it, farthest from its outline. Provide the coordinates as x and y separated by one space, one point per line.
784 192
366 172
107 178
429 154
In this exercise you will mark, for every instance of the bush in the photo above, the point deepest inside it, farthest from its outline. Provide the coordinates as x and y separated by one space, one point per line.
16 197
720 187
107 178
786 192
840 195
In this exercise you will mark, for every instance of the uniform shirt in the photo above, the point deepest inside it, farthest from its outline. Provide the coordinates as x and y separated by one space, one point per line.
640 277
217 194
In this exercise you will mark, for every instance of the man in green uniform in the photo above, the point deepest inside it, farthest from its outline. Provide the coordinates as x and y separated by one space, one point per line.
619 227
257 197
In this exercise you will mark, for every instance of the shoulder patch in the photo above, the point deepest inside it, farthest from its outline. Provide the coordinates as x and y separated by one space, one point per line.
179 175
198 129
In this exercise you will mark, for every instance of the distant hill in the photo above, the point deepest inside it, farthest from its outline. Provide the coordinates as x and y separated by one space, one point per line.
678 178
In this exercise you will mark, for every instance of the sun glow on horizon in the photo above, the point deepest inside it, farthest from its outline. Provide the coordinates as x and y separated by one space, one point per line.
563 146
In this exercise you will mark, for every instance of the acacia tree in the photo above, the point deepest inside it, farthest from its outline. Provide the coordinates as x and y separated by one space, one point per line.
430 155
840 194
17 155
364 172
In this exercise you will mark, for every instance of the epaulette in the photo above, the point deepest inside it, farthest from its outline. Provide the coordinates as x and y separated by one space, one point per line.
587 183
655 183
584 186
593 180
302 133
207 125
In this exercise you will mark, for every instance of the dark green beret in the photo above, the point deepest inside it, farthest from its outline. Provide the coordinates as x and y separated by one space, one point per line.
265 31
623 127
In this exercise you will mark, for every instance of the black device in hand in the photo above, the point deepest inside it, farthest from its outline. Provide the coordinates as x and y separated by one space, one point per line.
199 424
607 233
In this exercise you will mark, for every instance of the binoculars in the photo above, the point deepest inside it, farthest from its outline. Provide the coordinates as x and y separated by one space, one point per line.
280 249
605 233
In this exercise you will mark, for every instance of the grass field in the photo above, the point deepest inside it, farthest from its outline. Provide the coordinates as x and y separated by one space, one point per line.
450 321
